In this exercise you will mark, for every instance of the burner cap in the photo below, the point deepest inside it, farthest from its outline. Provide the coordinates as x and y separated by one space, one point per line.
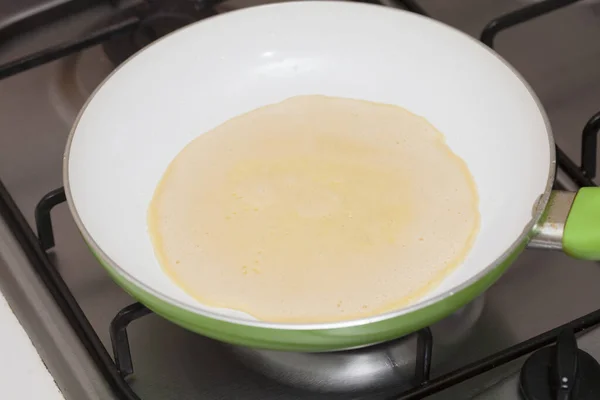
561 371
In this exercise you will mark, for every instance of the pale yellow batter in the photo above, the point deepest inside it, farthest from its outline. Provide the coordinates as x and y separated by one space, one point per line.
315 209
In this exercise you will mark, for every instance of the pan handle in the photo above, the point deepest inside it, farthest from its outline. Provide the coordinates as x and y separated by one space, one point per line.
571 224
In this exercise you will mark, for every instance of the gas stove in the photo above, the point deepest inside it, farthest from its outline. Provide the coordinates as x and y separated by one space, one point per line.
539 325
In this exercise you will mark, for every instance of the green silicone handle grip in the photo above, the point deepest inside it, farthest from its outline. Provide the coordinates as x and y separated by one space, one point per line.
581 237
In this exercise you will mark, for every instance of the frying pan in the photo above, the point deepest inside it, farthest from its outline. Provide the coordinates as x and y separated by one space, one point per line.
194 79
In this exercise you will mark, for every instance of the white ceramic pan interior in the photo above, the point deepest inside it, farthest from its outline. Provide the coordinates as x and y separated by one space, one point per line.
204 74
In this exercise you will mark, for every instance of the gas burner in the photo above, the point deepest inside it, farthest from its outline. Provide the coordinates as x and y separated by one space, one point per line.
157 18
380 367
562 371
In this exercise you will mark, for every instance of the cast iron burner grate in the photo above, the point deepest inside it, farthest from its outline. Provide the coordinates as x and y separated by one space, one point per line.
157 18
116 372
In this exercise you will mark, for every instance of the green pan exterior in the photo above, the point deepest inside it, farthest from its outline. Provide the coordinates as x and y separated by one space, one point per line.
316 340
